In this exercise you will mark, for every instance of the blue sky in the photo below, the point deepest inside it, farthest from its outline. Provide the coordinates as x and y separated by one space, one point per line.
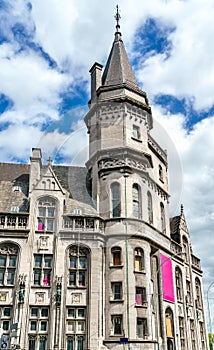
46 50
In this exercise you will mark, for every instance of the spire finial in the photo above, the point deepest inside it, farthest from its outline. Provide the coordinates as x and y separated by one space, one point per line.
117 17
182 208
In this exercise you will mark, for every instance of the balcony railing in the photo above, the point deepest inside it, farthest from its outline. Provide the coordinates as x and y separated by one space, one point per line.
80 223
195 261
13 221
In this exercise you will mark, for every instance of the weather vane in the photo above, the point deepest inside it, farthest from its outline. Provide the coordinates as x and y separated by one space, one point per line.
117 17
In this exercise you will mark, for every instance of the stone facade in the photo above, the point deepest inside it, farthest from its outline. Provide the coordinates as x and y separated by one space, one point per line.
89 258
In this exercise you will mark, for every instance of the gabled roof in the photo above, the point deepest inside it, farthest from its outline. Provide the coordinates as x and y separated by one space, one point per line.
118 69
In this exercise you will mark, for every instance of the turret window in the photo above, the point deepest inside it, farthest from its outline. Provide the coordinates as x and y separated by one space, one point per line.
163 219
138 259
136 132
116 256
150 208
136 201
116 199
117 324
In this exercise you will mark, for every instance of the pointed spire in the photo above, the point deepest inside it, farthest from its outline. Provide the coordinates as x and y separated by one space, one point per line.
118 69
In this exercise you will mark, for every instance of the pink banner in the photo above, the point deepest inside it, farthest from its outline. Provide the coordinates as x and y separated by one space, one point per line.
167 280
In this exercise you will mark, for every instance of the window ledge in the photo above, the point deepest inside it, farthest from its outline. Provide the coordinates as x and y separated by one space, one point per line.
116 266
116 300
39 286
142 272
138 140
145 305
44 232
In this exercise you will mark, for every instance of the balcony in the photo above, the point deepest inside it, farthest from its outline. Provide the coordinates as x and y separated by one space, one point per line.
13 221
81 224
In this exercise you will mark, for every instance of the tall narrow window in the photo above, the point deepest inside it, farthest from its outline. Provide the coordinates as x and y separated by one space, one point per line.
150 207
198 293
8 263
116 199
179 284
140 296
78 266
116 290
160 173
142 330
46 214
186 249
182 333
192 330
163 219
169 323
136 132
189 294
138 259
116 256
117 324
136 201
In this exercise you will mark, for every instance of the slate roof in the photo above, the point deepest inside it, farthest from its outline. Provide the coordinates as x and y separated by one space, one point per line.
72 178
118 69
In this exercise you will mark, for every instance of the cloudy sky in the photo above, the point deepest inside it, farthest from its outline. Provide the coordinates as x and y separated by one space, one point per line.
47 48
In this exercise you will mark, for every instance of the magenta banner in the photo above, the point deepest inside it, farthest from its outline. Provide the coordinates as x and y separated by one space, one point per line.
167 280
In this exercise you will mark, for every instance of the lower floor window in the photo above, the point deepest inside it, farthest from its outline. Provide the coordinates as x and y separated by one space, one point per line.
142 327
117 324
37 342
75 343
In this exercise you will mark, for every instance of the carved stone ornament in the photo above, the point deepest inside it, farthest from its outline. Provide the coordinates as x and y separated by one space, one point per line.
113 163
40 297
43 242
8 249
3 296
76 297
74 250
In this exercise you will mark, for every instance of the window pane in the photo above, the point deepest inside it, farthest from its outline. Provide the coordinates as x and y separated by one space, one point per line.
34 312
73 262
81 326
72 279
44 312
38 261
80 343
32 344
71 326
70 344
117 290
43 326
116 258
6 311
50 224
82 278
10 276
3 260
47 277
42 344
6 325
2 271
48 261
81 312
37 277
117 325
82 263
42 212
33 326
51 212
12 261
71 312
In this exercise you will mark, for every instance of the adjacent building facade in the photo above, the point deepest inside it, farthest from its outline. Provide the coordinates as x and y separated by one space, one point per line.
89 258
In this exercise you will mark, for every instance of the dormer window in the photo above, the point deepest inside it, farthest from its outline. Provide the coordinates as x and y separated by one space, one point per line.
14 209
136 132
17 188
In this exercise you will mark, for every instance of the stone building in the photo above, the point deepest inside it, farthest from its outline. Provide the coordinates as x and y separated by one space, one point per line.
89 258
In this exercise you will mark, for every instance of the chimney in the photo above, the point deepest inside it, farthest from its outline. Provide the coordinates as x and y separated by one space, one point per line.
96 79
35 166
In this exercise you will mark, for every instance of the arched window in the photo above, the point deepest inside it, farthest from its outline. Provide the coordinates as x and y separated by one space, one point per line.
198 293
136 201
160 173
185 249
46 214
8 263
116 256
116 199
169 324
179 284
138 259
163 219
150 208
